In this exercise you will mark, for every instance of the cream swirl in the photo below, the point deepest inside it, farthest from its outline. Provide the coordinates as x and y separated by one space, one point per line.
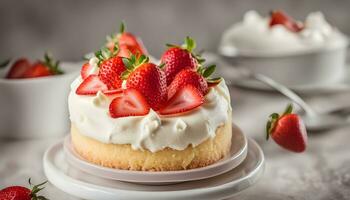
254 36
153 132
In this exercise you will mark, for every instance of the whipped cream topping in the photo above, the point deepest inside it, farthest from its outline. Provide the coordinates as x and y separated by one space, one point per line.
153 132
254 36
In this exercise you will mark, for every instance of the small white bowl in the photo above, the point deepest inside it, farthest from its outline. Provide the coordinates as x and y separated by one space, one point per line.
304 68
36 107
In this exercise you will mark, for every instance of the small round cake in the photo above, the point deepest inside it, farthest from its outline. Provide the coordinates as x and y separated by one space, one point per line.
148 123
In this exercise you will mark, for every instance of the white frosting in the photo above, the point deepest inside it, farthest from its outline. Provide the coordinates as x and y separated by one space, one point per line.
154 132
254 36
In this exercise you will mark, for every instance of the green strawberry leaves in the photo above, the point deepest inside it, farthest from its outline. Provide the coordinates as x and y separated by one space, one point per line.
36 189
273 119
105 53
52 64
4 63
132 63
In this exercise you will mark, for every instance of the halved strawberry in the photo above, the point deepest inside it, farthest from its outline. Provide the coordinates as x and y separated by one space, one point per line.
91 85
186 99
113 92
18 68
85 70
278 17
287 130
131 103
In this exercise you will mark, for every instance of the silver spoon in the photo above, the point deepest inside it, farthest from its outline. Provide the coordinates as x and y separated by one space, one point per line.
313 120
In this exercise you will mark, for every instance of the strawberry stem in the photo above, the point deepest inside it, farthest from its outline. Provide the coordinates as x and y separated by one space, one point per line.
52 64
5 63
36 189
122 27
132 63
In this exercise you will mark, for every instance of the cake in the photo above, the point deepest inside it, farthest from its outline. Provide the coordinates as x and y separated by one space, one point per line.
129 113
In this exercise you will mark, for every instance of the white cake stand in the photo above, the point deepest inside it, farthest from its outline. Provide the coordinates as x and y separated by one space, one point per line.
84 185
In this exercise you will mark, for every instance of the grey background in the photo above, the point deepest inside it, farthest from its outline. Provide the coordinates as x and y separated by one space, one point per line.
71 28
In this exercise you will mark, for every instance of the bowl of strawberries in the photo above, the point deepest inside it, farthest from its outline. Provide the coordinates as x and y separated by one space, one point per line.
34 97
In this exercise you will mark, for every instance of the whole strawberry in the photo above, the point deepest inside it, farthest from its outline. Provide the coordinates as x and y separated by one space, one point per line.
111 67
280 18
128 43
147 78
22 193
198 79
287 130
177 58
22 68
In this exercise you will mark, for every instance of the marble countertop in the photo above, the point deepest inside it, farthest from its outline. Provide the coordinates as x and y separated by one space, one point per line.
322 172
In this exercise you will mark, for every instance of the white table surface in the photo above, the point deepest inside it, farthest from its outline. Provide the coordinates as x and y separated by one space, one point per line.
322 172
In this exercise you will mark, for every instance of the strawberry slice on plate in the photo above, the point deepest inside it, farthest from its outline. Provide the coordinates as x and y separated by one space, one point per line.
287 130
131 103
91 85
18 68
186 99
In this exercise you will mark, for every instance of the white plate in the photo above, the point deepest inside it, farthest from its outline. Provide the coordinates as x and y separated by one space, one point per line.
86 186
237 154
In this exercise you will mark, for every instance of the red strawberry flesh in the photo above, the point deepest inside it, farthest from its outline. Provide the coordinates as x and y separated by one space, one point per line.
18 69
186 99
290 133
130 103
91 85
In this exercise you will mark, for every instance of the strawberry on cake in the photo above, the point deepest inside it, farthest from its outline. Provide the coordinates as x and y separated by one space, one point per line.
129 113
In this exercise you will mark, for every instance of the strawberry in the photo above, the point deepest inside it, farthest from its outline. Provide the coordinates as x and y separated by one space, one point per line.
130 103
147 78
126 42
113 92
22 193
197 79
18 68
91 85
37 70
47 67
85 70
287 130
177 58
186 99
110 68
280 18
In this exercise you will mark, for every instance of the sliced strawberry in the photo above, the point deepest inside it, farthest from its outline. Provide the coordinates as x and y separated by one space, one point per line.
18 68
131 103
113 92
280 18
85 70
187 98
91 85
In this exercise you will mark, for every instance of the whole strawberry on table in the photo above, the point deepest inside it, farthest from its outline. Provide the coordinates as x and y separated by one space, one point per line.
23 68
287 130
23 193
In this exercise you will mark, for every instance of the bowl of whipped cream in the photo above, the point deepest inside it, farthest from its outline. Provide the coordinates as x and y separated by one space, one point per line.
292 52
